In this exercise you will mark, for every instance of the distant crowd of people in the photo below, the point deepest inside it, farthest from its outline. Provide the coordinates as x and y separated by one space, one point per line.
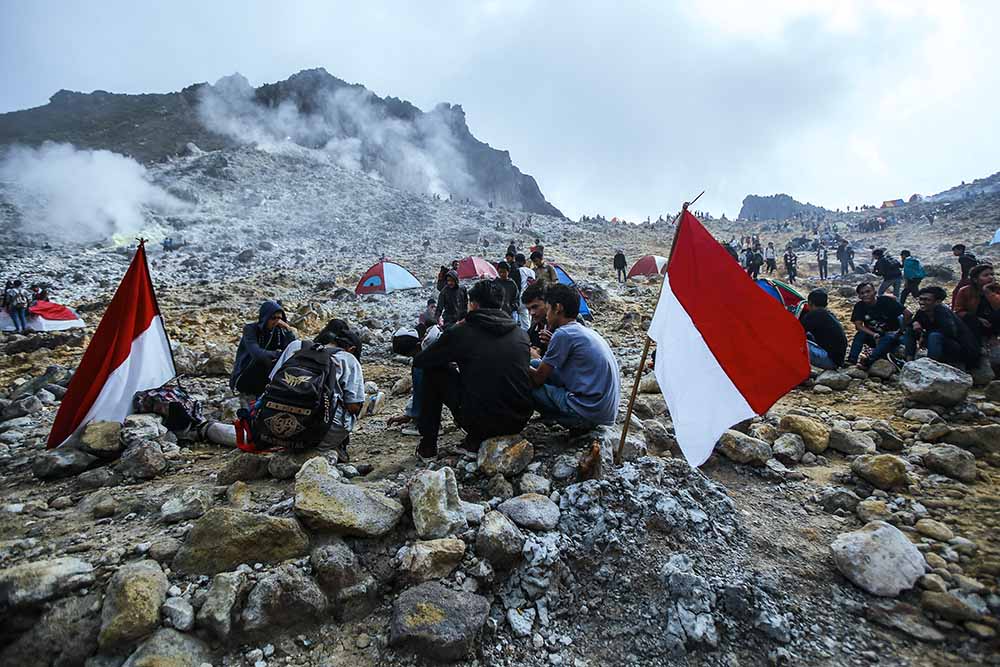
17 299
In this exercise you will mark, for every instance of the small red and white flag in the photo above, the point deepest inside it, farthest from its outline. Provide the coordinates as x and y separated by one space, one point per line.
725 349
128 353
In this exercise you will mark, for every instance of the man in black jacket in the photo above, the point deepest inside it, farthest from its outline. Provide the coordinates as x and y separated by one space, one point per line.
260 346
620 263
489 393
936 327
453 302
890 270
509 289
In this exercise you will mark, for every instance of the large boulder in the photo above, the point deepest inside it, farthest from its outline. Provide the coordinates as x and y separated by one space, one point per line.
350 589
132 603
437 622
142 460
431 559
243 467
499 541
933 383
61 462
221 606
952 461
789 448
66 634
30 584
505 455
883 471
531 511
224 538
851 442
815 435
286 596
985 438
741 448
878 558
169 648
834 380
324 502
437 509
102 439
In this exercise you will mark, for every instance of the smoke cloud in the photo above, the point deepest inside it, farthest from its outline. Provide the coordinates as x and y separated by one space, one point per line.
350 128
80 195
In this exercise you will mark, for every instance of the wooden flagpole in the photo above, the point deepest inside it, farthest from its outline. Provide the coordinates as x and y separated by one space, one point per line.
645 347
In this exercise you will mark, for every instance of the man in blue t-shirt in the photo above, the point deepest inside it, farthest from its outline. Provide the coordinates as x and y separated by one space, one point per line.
577 381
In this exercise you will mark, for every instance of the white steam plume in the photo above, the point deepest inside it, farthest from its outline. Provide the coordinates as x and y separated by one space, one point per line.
420 156
80 195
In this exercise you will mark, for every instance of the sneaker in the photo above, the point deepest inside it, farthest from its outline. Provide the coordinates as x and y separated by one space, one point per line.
427 451
410 429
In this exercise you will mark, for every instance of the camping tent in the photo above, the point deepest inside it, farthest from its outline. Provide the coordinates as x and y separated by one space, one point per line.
650 265
566 280
45 316
892 203
787 295
996 238
475 267
385 277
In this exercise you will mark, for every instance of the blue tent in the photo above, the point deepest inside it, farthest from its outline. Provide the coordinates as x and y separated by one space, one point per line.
566 280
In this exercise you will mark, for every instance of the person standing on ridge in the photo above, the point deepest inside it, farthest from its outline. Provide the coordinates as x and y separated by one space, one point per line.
791 262
620 263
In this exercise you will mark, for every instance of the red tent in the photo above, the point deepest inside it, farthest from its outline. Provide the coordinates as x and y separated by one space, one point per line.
385 277
475 267
650 265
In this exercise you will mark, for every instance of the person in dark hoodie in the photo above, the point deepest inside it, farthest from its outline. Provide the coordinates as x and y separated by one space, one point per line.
620 264
489 393
510 291
936 327
260 346
453 301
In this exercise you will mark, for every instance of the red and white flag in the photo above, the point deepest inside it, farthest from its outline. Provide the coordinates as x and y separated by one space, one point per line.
128 353
725 349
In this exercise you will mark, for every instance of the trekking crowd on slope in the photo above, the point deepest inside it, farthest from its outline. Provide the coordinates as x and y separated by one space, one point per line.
494 353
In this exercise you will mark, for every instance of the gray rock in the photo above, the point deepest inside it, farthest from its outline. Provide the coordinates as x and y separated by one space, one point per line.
992 391
882 369
532 483
504 455
141 427
499 487
222 603
952 461
921 415
883 471
789 448
142 460
102 439
658 439
499 541
191 504
521 621
164 549
931 382
437 622
531 511
851 442
169 648
878 559
741 448
30 584
97 478
178 613
564 467
224 538
437 509
61 462
285 597
23 407
431 559
285 466
66 634
324 502
243 467
350 589
985 438
832 499
19 423
132 604
834 380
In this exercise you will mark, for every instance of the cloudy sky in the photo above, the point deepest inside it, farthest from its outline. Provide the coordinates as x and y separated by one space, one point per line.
618 108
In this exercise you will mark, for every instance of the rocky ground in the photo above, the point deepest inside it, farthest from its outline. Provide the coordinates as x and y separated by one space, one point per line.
855 523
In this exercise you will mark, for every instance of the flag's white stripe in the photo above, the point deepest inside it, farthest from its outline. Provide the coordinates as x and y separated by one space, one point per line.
148 365
36 323
703 401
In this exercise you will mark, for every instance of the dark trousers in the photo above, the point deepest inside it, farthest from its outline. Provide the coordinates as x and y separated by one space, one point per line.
772 266
620 273
822 269
442 386
912 286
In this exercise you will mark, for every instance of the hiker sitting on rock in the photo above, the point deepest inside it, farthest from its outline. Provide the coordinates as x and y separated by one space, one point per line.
877 323
489 393
350 378
978 303
577 381
260 346
826 338
453 301
937 328
539 334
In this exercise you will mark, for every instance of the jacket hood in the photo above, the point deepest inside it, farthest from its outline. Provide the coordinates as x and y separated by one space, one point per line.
491 320
267 309
452 273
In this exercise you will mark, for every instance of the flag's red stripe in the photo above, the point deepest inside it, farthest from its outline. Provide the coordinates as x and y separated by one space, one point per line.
759 344
129 314
51 311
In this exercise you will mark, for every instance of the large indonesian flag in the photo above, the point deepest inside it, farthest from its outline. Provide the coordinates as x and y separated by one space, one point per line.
128 353
725 349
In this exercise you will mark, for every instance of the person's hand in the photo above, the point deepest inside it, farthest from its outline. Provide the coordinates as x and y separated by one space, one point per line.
399 419
283 324
545 336
535 353
985 322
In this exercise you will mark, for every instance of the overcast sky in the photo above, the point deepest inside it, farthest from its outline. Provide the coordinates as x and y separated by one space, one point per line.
620 108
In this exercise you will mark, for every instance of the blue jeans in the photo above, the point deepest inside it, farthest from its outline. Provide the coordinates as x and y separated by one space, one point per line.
886 344
939 347
890 282
819 357
20 317
413 410
552 402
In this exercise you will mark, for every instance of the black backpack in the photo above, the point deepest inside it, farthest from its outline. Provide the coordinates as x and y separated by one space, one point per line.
297 407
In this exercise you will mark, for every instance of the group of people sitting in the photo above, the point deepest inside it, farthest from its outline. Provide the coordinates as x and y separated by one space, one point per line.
954 335
491 372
